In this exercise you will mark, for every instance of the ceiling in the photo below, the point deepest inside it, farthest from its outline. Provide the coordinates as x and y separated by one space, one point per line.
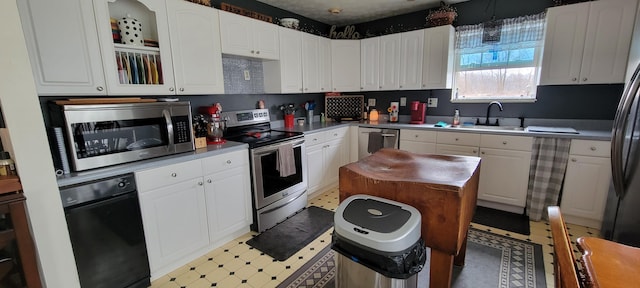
353 11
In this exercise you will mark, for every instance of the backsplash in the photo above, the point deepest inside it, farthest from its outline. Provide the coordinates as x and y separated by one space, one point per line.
234 75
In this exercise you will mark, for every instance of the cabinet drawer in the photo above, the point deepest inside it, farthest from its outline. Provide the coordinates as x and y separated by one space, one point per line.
167 175
418 135
506 142
225 161
590 148
467 139
459 150
314 138
338 133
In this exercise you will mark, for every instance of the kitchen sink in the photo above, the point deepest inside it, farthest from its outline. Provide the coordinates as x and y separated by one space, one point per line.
493 128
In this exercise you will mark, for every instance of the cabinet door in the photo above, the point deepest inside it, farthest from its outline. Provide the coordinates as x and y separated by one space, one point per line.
311 69
370 64
389 62
63 47
345 65
228 199
504 176
585 188
197 59
564 44
315 167
437 65
290 60
334 155
447 149
608 37
236 35
175 222
265 40
324 64
411 51
142 60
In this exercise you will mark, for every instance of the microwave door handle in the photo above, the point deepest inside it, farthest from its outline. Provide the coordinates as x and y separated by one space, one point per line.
170 133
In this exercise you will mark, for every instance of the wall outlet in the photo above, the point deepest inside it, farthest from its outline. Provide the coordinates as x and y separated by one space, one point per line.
371 102
432 102
403 101
247 75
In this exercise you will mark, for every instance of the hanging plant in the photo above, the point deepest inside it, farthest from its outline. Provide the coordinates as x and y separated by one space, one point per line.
445 15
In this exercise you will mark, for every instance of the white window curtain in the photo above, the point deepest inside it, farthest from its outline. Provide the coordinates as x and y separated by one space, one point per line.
498 60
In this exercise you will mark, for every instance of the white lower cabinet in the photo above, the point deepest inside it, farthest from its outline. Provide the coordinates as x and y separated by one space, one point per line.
418 141
586 183
504 171
326 152
192 207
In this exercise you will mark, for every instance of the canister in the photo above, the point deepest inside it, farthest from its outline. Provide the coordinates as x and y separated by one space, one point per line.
7 166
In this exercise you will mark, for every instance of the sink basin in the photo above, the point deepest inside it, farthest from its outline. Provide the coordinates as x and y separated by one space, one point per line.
494 128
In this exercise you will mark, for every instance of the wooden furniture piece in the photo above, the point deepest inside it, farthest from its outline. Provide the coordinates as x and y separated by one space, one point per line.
12 206
443 188
564 263
604 263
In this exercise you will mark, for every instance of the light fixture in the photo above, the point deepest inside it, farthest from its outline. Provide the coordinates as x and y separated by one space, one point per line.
335 10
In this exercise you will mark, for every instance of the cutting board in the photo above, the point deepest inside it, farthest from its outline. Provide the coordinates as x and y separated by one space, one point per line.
81 101
568 130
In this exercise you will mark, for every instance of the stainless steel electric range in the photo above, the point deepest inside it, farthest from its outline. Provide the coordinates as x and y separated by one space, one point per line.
278 166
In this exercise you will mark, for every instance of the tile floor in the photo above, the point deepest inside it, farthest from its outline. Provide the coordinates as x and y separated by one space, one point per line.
236 264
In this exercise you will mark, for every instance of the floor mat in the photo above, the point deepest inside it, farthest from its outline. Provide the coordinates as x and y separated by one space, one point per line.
513 222
286 238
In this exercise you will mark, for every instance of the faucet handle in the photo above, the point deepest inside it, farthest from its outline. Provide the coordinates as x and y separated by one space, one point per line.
497 123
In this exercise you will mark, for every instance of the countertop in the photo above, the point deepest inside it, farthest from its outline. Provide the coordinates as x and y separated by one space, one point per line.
95 174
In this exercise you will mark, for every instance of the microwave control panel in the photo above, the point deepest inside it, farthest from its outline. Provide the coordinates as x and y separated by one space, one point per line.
181 129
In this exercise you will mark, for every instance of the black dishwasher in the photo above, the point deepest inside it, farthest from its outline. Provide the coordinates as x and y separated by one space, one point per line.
105 227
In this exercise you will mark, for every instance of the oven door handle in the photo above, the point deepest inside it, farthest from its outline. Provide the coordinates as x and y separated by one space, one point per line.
270 148
170 133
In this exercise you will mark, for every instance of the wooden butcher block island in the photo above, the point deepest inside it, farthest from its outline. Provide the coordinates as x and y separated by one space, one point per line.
443 188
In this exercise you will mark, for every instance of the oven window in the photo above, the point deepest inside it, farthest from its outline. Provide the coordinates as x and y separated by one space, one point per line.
108 137
271 181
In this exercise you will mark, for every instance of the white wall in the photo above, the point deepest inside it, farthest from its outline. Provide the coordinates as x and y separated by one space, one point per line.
23 118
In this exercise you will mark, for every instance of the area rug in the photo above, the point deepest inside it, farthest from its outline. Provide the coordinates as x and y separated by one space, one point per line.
291 235
513 222
491 261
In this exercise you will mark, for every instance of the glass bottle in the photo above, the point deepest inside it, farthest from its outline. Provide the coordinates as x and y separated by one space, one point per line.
456 118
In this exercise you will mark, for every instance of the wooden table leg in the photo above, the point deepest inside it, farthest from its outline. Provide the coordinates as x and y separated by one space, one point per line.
25 245
459 259
441 269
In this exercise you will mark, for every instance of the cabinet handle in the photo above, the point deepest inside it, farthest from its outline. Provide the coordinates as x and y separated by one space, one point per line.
335 134
593 148
228 161
99 88
574 160
574 79
504 142
181 89
174 174
209 181
171 89
200 183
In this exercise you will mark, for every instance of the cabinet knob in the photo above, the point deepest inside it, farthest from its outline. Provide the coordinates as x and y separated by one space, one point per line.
482 152
253 52
181 89
171 89
321 89
257 52
504 142
209 181
200 183
99 88
400 86
457 139
416 135
174 175
574 160
574 79
305 89
379 87
593 148
474 151
584 79
228 161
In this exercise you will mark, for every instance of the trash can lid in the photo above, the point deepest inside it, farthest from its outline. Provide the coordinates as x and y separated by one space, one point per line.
377 223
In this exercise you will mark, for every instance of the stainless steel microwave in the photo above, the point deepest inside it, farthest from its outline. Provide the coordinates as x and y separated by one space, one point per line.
108 134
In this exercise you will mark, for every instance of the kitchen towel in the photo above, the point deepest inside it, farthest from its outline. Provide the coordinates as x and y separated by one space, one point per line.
549 158
285 162
375 142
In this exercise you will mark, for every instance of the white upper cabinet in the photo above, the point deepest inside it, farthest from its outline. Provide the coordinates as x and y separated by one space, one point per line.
587 43
345 65
370 64
196 56
63 47
136 69
285 76
324 64
411 51
389 62
437 64
244 36
311 70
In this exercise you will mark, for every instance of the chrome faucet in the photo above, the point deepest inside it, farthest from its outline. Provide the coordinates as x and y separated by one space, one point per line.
486 122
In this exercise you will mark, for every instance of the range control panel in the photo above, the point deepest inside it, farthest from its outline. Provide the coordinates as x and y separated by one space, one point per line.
245 117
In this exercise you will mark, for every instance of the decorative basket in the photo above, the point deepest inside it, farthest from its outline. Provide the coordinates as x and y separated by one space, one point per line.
445 15
201 2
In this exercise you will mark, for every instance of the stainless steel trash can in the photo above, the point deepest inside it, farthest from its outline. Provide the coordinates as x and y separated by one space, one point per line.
378 243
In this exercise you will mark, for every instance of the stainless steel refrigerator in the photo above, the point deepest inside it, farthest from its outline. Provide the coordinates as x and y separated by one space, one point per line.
621 221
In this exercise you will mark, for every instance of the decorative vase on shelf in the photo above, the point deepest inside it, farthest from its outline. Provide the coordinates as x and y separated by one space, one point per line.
131 31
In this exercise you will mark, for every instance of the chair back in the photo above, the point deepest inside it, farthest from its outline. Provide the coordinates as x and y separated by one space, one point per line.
564 262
